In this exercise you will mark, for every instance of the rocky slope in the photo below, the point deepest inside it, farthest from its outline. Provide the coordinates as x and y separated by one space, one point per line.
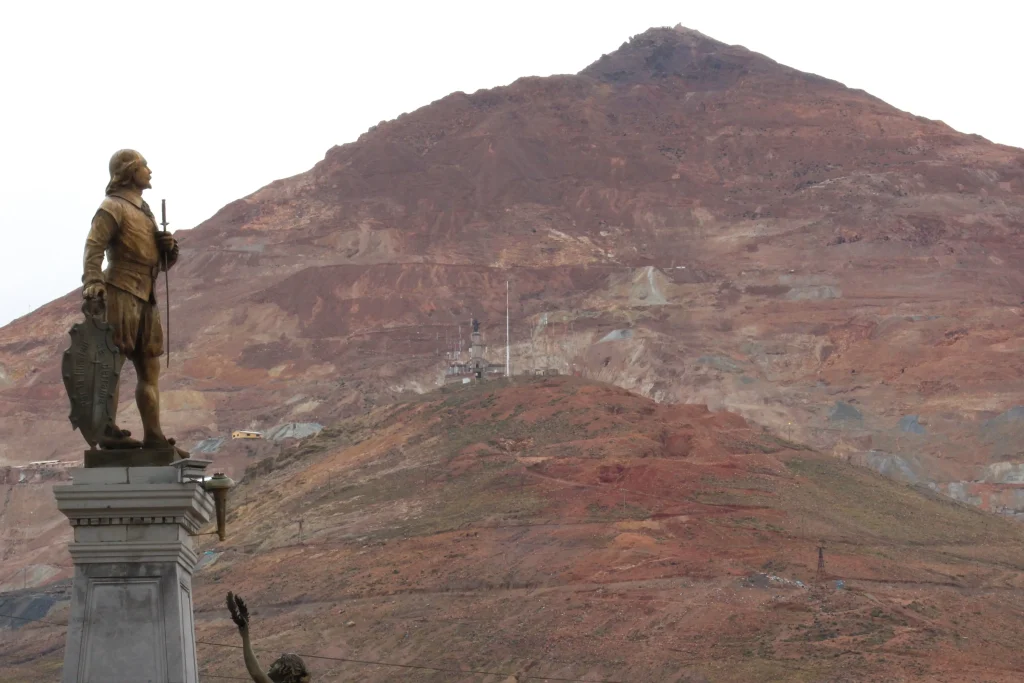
557 527
686 219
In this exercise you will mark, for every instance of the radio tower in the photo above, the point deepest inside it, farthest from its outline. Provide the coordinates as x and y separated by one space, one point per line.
508 353
819 577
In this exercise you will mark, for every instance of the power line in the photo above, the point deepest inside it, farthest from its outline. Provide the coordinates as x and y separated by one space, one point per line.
427 668
363 661
40 621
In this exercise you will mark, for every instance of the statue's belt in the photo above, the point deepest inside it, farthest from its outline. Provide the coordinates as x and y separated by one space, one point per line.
135 267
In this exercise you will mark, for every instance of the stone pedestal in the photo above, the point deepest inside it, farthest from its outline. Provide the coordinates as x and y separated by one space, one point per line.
131 604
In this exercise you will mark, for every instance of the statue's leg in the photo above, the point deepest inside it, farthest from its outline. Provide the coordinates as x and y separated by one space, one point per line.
147 396
115 437
117 431
121 316
146 358
117 388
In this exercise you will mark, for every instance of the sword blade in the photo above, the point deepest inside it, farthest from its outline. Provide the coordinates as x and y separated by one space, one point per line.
167 293
167 286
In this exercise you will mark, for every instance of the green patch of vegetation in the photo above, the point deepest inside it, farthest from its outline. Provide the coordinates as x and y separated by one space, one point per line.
485 495
785 444
730 498
853 500
749 522
748 483
763 443
881 636
616 513
764 669
749 446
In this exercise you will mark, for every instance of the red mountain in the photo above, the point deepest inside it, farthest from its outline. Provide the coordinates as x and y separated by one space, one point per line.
686 219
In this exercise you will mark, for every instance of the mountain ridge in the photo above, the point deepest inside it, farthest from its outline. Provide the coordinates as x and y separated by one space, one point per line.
777 246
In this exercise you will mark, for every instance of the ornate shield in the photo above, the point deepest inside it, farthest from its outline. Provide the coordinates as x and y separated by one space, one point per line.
91 368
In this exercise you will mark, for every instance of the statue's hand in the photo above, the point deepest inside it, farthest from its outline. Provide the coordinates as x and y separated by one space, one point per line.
165 242
239 612
96 290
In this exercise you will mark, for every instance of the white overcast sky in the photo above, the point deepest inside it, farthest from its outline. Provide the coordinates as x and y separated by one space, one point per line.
225 97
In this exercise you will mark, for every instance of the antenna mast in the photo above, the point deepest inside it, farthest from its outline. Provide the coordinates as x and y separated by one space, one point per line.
508 352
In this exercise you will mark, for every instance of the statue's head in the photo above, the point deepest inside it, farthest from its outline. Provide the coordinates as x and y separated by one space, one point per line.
128 169
289 668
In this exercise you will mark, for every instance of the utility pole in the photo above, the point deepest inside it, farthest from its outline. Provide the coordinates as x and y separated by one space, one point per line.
508 352
819 577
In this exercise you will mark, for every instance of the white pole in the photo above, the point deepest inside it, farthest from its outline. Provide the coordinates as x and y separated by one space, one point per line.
508 356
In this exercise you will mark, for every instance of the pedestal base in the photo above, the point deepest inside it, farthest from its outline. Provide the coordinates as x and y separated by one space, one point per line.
131 457
131 623
131 601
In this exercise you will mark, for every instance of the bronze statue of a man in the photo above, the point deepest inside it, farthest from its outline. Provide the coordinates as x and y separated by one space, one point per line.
125 229
288 668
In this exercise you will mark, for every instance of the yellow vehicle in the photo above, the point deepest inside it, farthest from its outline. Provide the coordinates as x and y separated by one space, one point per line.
243 434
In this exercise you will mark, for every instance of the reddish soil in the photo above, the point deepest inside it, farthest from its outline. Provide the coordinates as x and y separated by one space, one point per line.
558 527
685 219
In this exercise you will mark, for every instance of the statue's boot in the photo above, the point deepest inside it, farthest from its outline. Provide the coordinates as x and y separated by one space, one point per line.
115 438
179 453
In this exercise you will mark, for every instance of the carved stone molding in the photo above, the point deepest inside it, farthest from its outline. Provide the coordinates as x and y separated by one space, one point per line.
134 553
86 521
133 504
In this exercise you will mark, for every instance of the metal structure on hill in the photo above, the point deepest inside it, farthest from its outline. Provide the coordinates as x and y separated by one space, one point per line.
477 367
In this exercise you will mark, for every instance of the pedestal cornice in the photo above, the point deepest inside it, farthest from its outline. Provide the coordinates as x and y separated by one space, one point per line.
99 504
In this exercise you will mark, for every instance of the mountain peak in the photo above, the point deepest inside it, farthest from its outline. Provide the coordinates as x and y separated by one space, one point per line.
666 51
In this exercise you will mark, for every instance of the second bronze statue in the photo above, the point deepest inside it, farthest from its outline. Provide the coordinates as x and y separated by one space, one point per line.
125 230
288 668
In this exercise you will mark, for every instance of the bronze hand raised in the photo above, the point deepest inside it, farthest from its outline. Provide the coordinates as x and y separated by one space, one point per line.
288 668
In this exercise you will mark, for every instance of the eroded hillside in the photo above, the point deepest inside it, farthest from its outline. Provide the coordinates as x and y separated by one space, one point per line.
563 528
686 219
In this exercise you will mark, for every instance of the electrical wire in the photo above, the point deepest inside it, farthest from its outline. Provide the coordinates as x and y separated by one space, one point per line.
40 621
428 668
369 662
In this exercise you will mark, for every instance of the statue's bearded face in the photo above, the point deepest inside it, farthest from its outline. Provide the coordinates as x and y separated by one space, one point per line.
143 176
